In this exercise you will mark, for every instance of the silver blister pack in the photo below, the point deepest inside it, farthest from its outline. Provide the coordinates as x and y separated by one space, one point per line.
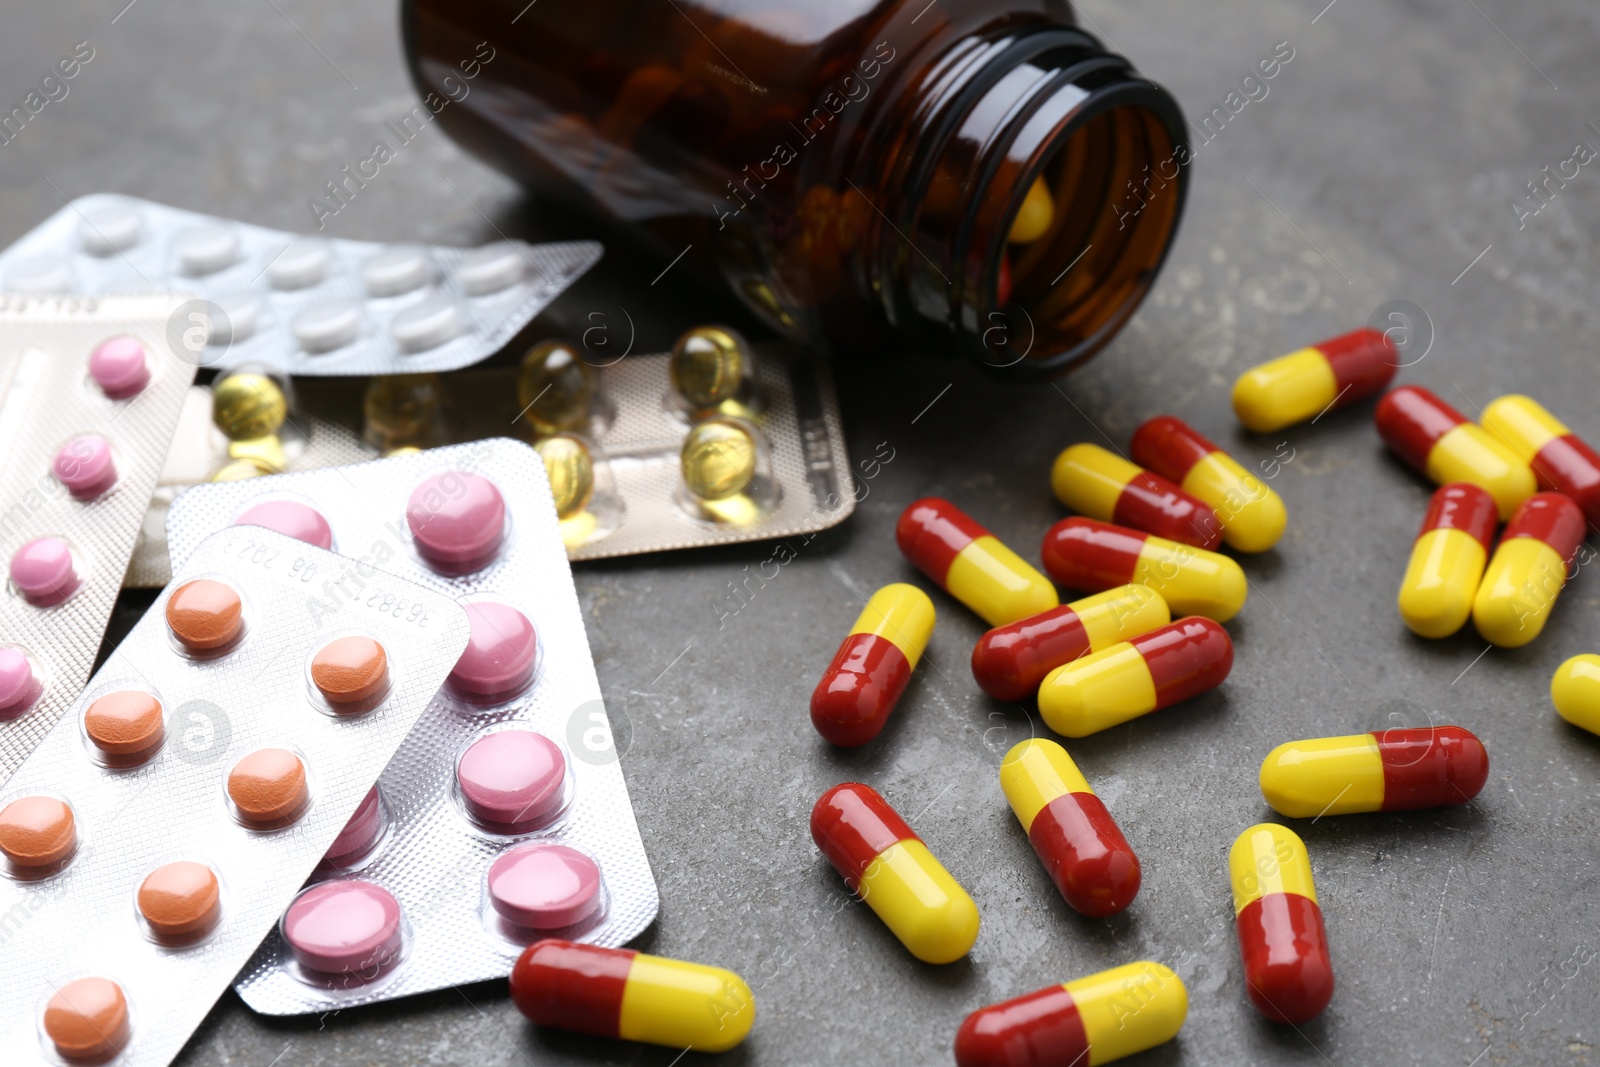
111 446
433 853
307 305
161 792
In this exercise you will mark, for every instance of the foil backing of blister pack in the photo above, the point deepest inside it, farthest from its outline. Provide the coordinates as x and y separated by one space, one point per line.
48 398
82 921
433 859
286 298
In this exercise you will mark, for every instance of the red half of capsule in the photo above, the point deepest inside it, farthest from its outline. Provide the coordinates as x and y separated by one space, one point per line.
1086 855
1090 555
1363 362
1169 446
1568 465
1465 507
1552 518
1149 502
572 986
852 825
1431 766
1288 973
1186 658
1009 662
1032 1030
1411 420
932 532
861 687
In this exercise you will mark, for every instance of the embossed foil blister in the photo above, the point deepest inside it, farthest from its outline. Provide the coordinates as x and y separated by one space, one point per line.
82 921
305 304
434 857
48 399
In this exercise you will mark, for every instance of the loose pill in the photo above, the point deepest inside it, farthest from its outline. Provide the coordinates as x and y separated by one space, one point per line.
513 781
360 835
708 366
350 672
247 406
1401 769
180 899
555 387
970 563
1010 662
1069 828
1085 554
1300 386
127 726
544 886
1447 560
1287 973
1103 485
1438 440
37 832
87 1020
617 992
20 685
500 655
1562 461
1528 570
45 572
1082 1023
1252 515
1575 691
120 367
205 615
344 927
290 518
1034 217
718 459
570 469
85 466
863 684
1148 673
268 788
457 518
884 862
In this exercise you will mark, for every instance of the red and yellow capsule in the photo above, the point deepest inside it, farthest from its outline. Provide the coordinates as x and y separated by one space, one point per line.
1134 678
869 672
1402 769
1447 560
871 846
1069 827
1307 382
1438 440
1527 570
1252 515
1103 485
1089 555
1287 973
617 992
1575 691
1009 662
1082 1023
1562 461
970 563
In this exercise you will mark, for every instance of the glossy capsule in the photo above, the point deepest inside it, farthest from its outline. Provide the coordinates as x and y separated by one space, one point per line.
1085 554
1300 386
1287 973
1082 1023
1009 662
1102 485
1391 770
1069 828
869 672
1252 515
1134 678
881 859
1447 560
1562 461
1575 691
1528 569
1438 440
971 564
617 992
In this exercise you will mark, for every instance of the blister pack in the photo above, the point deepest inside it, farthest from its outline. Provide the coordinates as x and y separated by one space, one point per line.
504 817
89 396
307 305
155 836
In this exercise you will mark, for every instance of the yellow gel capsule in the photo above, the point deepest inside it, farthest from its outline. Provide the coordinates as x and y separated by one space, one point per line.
708 365
1302 385
970 563
1035 215
570 469
267 452
239 470
1575 689
554 387
245 406
685 1005
401 407
1468 454
1192 580
1522 423
718 459
1324 776
1528 570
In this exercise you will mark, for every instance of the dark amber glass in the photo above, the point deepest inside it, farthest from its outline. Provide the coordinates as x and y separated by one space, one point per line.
852 169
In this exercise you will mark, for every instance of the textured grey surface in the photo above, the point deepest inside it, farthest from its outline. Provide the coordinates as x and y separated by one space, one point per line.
1383 160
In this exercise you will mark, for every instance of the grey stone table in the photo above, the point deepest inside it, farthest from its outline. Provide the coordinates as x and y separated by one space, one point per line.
1383 164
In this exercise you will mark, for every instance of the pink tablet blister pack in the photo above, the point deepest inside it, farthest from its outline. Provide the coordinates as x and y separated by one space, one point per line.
89 397
504 817
157 833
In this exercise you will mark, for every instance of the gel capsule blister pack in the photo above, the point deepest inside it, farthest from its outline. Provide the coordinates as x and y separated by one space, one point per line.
89 396
307 305
155 836
505 816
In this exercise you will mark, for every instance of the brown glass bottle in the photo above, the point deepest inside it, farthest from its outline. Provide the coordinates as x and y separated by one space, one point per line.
852 168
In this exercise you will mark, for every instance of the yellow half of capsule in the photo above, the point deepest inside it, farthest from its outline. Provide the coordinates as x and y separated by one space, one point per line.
1118 614
1089 480
685 1005
1129 1009
997 583
1192 580
1253 516
1268 859
1288 390
901 614
920 902
1034 773
1033 219
1575 689
1441 581
1324 776
1522 423
1519 589
1469 454
1097 692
